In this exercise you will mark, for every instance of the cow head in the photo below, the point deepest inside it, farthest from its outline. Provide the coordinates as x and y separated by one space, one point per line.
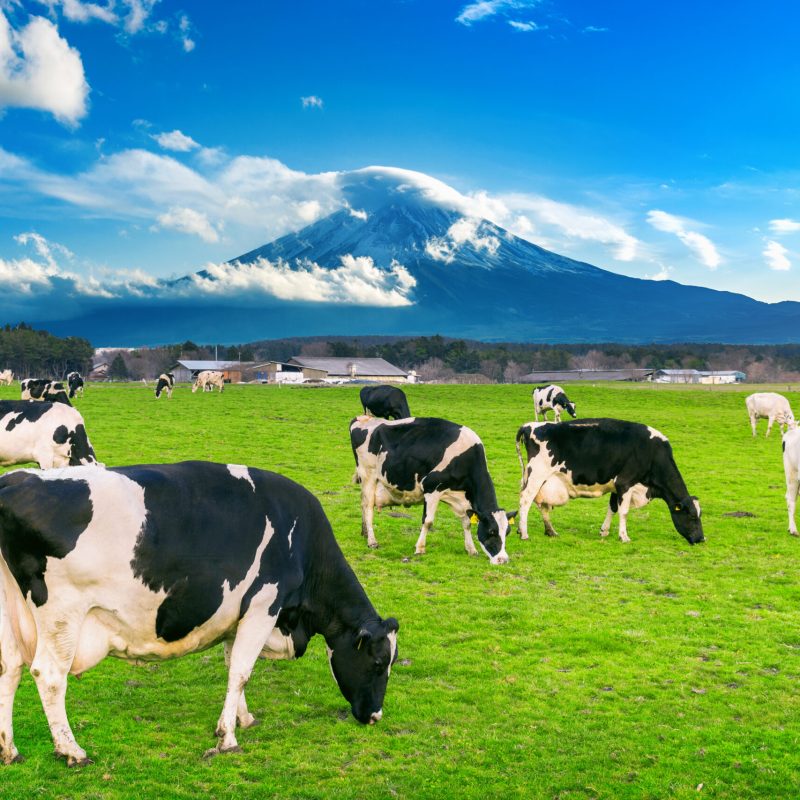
686 518
361 660
561 400
492 533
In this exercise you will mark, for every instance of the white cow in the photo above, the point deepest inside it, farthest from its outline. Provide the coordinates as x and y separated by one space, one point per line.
791 466
7 377
207 380
50 434
770 406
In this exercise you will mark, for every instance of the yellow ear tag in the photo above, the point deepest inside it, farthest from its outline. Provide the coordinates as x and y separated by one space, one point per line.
473 518
512 520
677 508
359 644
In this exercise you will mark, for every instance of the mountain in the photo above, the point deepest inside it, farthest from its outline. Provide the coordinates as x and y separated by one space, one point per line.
404 261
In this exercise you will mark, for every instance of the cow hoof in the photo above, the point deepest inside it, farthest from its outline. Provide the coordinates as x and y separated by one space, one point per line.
472 552
251 723
524 536
72 761
373 545
626 540
794 533
16 759
419 551
551 533
603 534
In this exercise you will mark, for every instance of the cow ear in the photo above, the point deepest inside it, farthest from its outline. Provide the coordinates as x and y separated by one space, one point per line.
391 625
511 515
361 637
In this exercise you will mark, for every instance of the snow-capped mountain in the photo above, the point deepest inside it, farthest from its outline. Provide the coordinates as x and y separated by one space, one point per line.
408 256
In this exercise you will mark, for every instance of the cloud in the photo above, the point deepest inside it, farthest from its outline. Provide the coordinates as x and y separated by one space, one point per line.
594 29
463 232
45 249
523 26
77 11
780 226
702 247
39 70
775 254
485 9
187 220
175 140
358 281
312 101
185 28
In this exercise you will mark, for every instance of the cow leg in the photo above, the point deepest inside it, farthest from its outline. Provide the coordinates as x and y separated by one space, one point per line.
529 490
792 487
556 415
770 420
244 719
753 421
469 542
54 653
10 674
252 634
613 503
549 530
624 507
430 504
368 489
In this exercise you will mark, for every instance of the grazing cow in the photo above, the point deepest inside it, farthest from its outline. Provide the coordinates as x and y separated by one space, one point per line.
43 389
51 434
7 377
151 562
424 461
75 383
388 402
165 383
791 466
207 380
552 397
770 406
592 457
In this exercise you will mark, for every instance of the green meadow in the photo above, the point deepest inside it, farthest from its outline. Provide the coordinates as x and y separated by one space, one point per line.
584 668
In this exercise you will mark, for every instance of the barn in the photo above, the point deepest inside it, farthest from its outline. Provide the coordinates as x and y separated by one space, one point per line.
338 370
185 370
697 376
281 372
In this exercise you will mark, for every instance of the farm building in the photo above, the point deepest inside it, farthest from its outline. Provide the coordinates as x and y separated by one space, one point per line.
280 372
185 370
99 371
350 369
697 376
566 375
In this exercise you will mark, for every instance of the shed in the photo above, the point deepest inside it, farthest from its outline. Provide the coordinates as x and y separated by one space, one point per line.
281 372
186 370
351 369
99 371
566 375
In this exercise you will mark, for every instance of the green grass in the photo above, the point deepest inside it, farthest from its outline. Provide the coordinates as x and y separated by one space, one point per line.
584 668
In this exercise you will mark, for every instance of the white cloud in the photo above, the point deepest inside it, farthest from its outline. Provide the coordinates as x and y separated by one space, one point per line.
662 275
784 226
185 27
357 281
78 11
187 220
312 101
775 254
175 140
43 247
485 9
138 12
594 29
702 247
523 26
39 70
462 232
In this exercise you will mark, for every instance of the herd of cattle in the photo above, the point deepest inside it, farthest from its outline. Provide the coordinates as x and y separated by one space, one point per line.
128 561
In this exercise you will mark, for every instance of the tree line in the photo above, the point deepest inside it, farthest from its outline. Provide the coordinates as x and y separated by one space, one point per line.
31 353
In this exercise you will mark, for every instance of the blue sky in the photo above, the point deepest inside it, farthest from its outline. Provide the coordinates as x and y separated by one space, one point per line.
151 138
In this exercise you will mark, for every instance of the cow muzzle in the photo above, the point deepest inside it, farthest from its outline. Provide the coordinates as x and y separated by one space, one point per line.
375 717
500 558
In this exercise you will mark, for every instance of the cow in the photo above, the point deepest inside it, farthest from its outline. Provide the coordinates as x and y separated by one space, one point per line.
388 402
770 406
44 389
50 434
791 466
75 384
152 562
165 383
592 457
207 380
426 461
7 377
552 397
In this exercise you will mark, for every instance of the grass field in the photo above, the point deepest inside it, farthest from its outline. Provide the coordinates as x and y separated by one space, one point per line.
582 669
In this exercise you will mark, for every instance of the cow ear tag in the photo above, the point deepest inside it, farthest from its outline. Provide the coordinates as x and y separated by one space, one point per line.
474 518
677 508
511 521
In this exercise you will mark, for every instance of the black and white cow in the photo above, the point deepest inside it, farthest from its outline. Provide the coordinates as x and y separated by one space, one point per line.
151 562
44 389
592 457
75 383
388 402
552 397
427 461
50 434
165 383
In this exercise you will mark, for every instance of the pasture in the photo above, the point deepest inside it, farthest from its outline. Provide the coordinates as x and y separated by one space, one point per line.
584 668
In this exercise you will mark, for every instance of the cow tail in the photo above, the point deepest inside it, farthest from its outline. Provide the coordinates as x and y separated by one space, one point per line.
520 436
